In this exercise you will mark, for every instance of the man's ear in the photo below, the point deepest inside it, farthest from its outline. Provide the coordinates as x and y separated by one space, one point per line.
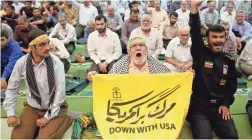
30 47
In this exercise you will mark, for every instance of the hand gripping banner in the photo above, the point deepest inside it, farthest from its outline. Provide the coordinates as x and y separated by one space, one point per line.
141 106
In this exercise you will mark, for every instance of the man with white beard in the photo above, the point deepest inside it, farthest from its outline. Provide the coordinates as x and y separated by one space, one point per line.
152 36
137 61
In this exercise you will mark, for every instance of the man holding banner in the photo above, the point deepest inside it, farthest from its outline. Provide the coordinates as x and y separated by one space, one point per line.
137 62
214 84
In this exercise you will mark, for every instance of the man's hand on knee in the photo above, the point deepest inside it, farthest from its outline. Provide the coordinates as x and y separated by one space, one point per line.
13 121
42 122
224 111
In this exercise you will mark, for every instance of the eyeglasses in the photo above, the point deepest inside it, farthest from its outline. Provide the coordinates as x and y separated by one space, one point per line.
138 45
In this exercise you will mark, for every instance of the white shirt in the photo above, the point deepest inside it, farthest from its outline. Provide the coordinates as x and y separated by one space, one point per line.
59 48
176 51
127 14
154 40
85 13
227 18
18 6
40 71
183 17
65 35
106 48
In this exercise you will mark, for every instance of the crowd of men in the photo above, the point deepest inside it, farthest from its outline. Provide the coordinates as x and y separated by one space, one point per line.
206 37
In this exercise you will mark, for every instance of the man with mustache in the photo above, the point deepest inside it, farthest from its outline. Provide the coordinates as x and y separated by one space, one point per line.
137 61
153 36
45 110
214 84
104 46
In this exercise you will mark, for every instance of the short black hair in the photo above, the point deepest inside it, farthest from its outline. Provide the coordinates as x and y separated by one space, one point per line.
175 14
28 2
136 11
99 17
35 8
215 29
11 7
55 8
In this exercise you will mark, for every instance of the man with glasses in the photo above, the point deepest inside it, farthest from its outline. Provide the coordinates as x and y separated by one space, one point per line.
137 61
178 57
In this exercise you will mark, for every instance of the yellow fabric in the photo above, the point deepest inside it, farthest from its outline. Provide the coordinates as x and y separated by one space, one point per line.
145 106
134 70
39 39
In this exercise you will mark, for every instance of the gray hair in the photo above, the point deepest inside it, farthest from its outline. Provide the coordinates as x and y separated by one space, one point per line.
6 31
91 22
62 15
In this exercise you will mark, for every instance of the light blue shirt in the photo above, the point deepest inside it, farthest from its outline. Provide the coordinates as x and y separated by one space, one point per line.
244 29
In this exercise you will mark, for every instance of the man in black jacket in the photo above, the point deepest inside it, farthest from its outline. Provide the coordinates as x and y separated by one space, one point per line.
214 84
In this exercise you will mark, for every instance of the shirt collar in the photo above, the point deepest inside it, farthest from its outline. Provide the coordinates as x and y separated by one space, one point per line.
106 33
42 62
168 23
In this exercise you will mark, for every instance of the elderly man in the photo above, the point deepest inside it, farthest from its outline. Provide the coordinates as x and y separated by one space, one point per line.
64 32
45 111
178 56
21 33
89 29
103 46
241 29
246 60
10 53
229 15
157 14
152 36
114 20
183 14
208 17
129 25
169 29
90 12
230 44
137 61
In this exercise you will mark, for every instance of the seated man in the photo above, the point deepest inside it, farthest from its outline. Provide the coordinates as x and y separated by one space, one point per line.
38 20
10 53
229 15
169 29
53 14
137 61
152 36
27 10
241 29
183 14
103 46
245 63
89 29
208 17
11 17
114 20
21 33
178 56
215 82
45 111
58 48
64 32
230 45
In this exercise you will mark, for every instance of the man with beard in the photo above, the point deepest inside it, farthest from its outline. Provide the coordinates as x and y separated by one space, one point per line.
38 19
11 17
64 32
152 36
137 61
214 84
157 15
169 29
45 111
103 46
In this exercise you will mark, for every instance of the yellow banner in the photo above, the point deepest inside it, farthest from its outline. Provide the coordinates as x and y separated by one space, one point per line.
141 106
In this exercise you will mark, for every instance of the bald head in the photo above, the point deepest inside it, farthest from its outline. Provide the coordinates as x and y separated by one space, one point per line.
111 11
184 34
22 21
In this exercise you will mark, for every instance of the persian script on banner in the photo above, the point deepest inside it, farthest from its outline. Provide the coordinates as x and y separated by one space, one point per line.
141 106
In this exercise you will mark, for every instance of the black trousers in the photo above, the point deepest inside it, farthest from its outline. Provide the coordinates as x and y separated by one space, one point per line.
205 118
70 47
95 67
249 111
166 42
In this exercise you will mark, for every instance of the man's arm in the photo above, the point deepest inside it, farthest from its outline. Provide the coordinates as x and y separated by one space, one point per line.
125 33
11 93
216 18
75 3
59 97
62 52
117 50
15 55
159 45
120 22
54 31
92 50
86 34
197 39
169 56
71 36
247 32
